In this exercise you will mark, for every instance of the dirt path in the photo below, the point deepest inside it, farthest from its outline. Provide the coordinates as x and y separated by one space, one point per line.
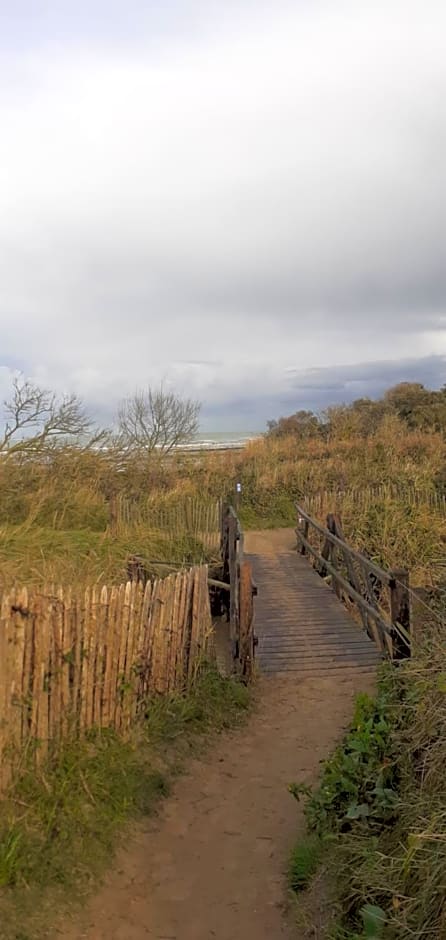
213 863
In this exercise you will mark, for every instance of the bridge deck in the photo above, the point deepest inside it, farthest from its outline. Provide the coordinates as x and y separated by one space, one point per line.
301 625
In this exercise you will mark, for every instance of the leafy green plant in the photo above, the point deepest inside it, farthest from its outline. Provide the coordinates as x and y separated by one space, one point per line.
374 919
360 781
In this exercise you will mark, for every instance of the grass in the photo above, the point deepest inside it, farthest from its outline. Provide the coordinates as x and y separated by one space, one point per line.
55 512
34 555
304 862
60 823
381 807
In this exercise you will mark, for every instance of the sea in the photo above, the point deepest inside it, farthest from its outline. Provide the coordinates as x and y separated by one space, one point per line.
221 440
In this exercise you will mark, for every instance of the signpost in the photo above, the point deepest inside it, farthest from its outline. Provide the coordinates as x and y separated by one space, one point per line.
238 493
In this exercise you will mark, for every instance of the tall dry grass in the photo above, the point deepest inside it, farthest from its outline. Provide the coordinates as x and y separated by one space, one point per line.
55 512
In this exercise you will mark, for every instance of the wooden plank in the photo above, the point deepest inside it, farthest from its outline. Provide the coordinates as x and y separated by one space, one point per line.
137 651
15 654
195 627
86 678
101 639
4 687
180 632
145 641
246 621
187 628
28 656
156 684
125 594
152 627
175 632
129 674
64 604
41 673
166 635
56 666
78 646
299 638
110 653
207 641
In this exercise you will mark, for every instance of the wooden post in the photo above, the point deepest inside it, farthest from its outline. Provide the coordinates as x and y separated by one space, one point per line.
225 518
303 548
234 582
400 611
137 570
237 497
246 608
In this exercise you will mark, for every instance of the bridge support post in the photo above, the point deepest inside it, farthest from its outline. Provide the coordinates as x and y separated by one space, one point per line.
303 550
400 612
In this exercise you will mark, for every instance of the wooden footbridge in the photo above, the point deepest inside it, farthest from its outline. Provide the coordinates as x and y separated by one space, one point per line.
305 602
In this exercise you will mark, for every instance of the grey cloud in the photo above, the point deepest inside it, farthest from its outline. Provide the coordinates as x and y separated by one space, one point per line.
250 189
316 389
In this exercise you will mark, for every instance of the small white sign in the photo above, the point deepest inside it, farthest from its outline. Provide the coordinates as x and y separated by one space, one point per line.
238 487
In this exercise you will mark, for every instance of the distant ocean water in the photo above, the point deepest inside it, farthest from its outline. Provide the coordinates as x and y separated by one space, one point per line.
221 440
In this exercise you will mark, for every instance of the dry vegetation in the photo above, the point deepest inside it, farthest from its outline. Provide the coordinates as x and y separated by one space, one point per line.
72 513
75 514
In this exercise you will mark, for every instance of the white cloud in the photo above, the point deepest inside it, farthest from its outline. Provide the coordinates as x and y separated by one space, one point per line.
270 193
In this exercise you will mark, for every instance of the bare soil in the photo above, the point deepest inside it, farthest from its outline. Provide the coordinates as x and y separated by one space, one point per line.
213 863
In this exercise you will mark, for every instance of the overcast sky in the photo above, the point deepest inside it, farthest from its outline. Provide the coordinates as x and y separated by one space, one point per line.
246 200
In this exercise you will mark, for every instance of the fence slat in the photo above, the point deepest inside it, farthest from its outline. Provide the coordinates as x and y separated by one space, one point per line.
110 660
71 660
41 675
125 590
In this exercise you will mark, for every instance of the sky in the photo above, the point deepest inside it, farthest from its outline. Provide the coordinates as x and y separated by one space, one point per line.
243 200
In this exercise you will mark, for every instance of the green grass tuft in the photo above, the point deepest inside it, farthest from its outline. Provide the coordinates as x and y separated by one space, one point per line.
304 862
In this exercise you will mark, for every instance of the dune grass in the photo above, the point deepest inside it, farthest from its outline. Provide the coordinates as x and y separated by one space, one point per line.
33 555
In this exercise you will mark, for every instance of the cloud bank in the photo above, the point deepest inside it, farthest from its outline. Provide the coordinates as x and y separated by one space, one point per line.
246 201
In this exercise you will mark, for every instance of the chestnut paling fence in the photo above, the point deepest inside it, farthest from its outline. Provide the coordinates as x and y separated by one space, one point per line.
198 518
72 660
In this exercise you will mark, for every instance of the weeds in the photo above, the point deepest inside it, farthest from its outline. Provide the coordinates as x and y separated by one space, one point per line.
304 862
380 807
59 823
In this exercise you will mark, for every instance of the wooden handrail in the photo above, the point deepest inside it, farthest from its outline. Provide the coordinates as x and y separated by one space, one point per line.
352 592
384 576
390 630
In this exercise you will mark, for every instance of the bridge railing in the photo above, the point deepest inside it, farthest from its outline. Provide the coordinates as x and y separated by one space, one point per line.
381 597
237 574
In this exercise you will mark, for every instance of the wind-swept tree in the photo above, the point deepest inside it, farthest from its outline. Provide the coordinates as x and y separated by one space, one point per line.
157 420
36 418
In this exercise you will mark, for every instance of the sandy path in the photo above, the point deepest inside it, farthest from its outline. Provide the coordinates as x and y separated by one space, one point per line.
212 864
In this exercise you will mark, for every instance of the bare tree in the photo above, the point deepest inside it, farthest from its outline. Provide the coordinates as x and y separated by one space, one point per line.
36 418
156 420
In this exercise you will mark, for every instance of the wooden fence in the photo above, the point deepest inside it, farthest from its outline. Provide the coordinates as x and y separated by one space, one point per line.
70 661
362 498
382 598
195 517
